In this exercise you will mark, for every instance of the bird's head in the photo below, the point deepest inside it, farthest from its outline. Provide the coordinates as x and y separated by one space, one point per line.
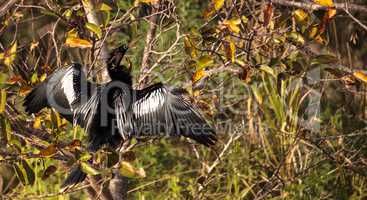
115 69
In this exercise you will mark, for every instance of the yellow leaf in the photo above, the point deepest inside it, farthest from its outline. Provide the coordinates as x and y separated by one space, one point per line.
10 54
301 16
232 24
37 123
361 76
126 169
104 7
49 151
2 100
190 47
313 32
218 4
198 75
1 56
77 42
43 77
136 3
331 13
230 49
328 3
204 61
72 33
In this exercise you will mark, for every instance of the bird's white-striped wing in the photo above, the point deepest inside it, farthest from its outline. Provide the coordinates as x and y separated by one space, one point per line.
159 111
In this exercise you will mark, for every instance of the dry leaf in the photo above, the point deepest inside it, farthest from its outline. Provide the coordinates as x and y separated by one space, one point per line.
361 76
233 25
268 14
77 42
49 151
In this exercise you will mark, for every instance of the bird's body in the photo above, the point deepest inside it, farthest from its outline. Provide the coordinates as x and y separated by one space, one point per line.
115 112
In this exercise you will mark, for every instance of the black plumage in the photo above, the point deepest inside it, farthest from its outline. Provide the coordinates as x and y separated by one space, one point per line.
114 112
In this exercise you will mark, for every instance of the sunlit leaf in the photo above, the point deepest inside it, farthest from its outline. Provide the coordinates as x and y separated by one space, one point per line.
37 123
95 29
85 157
204 61
49 151
301 16
43 77
89 169
48 172
2 100
331 12
257 94
10 54
136 3
233 24
104 7
267 69
218 4
328 3
296 38
34 78
244 19
190 47
128 170
361 75
77 42
230 50
198 75
68 13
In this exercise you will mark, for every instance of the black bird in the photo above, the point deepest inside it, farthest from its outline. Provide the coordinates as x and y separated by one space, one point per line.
114 112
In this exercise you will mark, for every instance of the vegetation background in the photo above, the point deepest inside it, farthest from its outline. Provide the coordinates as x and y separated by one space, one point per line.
283 82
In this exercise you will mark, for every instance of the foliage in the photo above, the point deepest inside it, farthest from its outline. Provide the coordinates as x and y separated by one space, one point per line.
289 108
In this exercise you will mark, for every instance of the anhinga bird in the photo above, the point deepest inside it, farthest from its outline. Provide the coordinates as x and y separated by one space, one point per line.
114 112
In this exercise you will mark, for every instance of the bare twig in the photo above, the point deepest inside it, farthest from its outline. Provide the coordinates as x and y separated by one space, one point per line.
314 6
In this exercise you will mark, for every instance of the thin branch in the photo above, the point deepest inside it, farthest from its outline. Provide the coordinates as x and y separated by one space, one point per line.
314 6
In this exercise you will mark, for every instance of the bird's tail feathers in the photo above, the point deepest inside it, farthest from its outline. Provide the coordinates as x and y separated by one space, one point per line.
36 99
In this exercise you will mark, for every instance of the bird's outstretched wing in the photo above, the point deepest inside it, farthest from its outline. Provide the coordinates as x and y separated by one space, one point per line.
63 90
158 110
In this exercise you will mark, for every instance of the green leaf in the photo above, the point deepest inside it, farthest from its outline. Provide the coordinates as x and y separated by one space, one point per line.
267 69
85 156
95 29
89 169
25 173
128 170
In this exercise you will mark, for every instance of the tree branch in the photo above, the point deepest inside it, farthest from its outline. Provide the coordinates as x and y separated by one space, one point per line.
153 19
6 6
314 6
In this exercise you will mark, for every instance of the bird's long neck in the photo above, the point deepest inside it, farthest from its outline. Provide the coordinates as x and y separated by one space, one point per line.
123 76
